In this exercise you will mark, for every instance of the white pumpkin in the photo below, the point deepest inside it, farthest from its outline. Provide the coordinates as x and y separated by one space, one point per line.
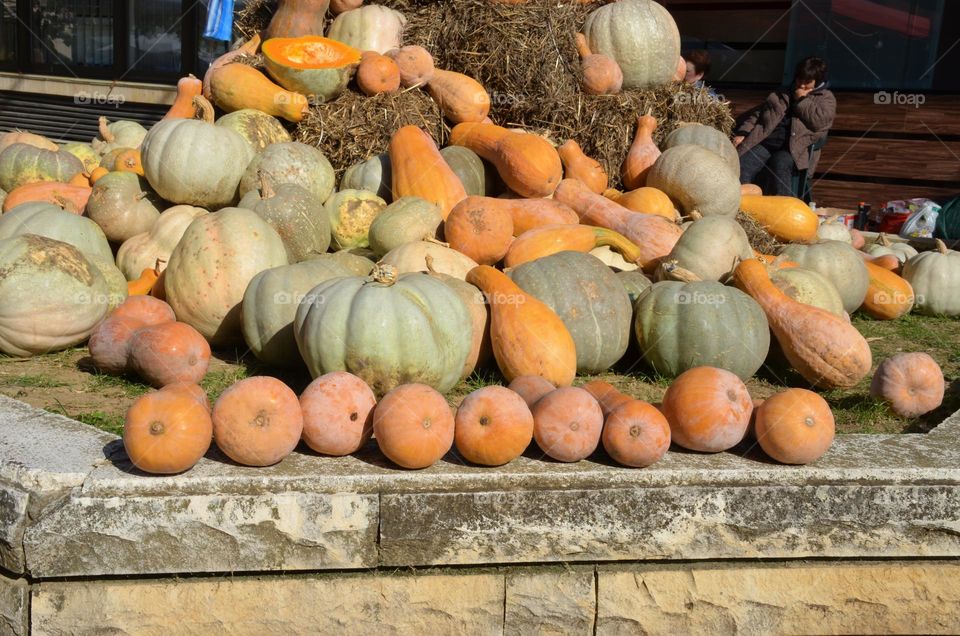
143 251
369 28
833 230
883 246
935 277
412 257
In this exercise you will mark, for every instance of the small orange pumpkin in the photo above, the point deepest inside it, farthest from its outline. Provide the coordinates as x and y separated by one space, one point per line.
481 231
911 383
377 74
109 343
257 421
636 434
97 173
337 413
567 424
795 426
531 388
606 395
167 431
168 353
494 426
413 426
708 409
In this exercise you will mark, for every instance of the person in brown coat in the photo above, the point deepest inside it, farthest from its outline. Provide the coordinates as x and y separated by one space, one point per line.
778 134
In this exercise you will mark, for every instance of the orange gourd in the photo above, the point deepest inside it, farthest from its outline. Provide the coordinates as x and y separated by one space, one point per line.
146 310
81 179
795 426
128 161
601 74
530 213
237 86
337 413
654 235
257 421
413 426
97 173
493 426
642 154
143 285
72 198
606 395
550 239
481 228
109 343
377 74
419 170
577 165
182 108
889 296
531 388
708 409
646 200
567 424
169 353
750 189
888 262
825 349
460 97
527 163
636 434
415 64
787 218
528 338
911 383
167 431
250 47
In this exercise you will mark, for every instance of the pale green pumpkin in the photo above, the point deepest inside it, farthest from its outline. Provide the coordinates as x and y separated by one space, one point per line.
839 263
351 212
935 277
297 216
258 128
123 205
405 220
50 221
291 162
696 179
706 137
373 175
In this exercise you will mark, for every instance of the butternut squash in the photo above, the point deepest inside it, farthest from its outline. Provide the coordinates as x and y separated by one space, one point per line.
550 239
889 296
418 170
642 155
460 97
237 86
577 165
786 218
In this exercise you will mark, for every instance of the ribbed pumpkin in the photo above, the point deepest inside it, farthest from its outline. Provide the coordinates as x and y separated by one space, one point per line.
291 162
297 216
369 28
473 299
711 247
123 205
839 263
153 248
935 277
786 218
834 230
413 426
89 157
373 175
357 263
640 35
911 383
411 257
211 266
388 330
589 300
122 133
257 421
883 246
406 220
809 287
50 221
708 409
707 137
350 213
270 304
257 127
311 65
635 283
294 18
567 424
194 162
479 177
22 163
24 137
418 169
680 326
696 179
51 296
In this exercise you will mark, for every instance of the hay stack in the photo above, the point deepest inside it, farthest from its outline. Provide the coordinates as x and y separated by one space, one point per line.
525 55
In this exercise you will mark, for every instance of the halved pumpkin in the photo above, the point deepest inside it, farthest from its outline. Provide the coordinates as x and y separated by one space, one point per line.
317 67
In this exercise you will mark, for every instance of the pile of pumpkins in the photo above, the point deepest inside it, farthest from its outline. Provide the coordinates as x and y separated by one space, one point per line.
427 263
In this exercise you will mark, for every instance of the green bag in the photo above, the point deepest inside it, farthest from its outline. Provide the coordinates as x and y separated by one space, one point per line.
948 221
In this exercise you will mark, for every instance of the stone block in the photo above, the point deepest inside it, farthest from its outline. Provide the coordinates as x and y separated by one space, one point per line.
550 602
14 606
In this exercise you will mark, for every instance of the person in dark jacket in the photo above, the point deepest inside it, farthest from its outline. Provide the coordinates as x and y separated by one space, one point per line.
778 134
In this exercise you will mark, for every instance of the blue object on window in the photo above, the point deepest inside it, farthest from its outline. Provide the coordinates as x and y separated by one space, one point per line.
219 20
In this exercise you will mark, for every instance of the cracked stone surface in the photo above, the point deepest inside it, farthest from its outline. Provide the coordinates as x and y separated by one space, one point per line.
558 601
14 606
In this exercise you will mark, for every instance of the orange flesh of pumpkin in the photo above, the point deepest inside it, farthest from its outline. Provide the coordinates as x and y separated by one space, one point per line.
311 52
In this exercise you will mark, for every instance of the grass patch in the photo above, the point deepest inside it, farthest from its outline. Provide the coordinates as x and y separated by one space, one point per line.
128 386
33 381
217 382
103 421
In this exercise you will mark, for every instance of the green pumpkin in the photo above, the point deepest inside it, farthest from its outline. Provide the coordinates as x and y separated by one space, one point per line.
117 290
373 175
51 296
405 220
935 278
706 137
635 282
3 196
123 205
297 216
50 221
710 247
350 213
257 127
291 162
840 263
118 134
388 330
21 164
369 28
270 306
357 264
696 179
89 157
479 177
590 300
808 287
680 326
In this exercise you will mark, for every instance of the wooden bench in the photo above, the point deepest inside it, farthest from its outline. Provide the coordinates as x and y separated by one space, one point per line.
882 152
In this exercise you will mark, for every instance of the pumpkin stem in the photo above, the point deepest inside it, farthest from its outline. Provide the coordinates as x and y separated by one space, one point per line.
884 240
104 127
941 246
384 274
695 215
204 108
158 263
140 195
429 260
266 187
670 270
582 47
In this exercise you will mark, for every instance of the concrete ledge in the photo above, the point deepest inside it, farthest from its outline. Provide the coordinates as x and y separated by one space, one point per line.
96 90
72 506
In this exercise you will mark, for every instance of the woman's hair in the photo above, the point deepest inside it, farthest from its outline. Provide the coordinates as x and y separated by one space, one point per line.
811 68
700 60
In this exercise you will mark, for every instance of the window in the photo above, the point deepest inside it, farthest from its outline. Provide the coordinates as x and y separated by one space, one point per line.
72 35
154 42
8 32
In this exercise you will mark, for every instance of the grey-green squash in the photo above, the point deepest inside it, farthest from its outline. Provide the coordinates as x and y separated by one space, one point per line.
635 282
387 329
935 278
707 137
373 175
89 157
837 261
405 220
351 212
21 164
257 127
412 257
479 177
122 133
291 162
589 299
50 221
359 265
369 28
297 216
808 287
696 179
123 205
680 326
710 248
481 350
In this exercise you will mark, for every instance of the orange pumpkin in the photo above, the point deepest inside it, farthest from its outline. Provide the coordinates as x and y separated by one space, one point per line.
528 338
128 161
97 173
415 64
257 421
636 434
567 424
642 154
531 388
182 108
146 310
481 228
888 296
750 189
795 426
708 409
647 200
460 97
606 395
168 353
494 426
577 165
109 344
193 390
419 170
377 74
551 239
911 383
167 431
413 426
337 413
71 198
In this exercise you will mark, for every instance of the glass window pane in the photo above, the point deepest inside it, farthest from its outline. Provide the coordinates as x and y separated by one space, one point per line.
154 37
8 30
72 33
208 50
